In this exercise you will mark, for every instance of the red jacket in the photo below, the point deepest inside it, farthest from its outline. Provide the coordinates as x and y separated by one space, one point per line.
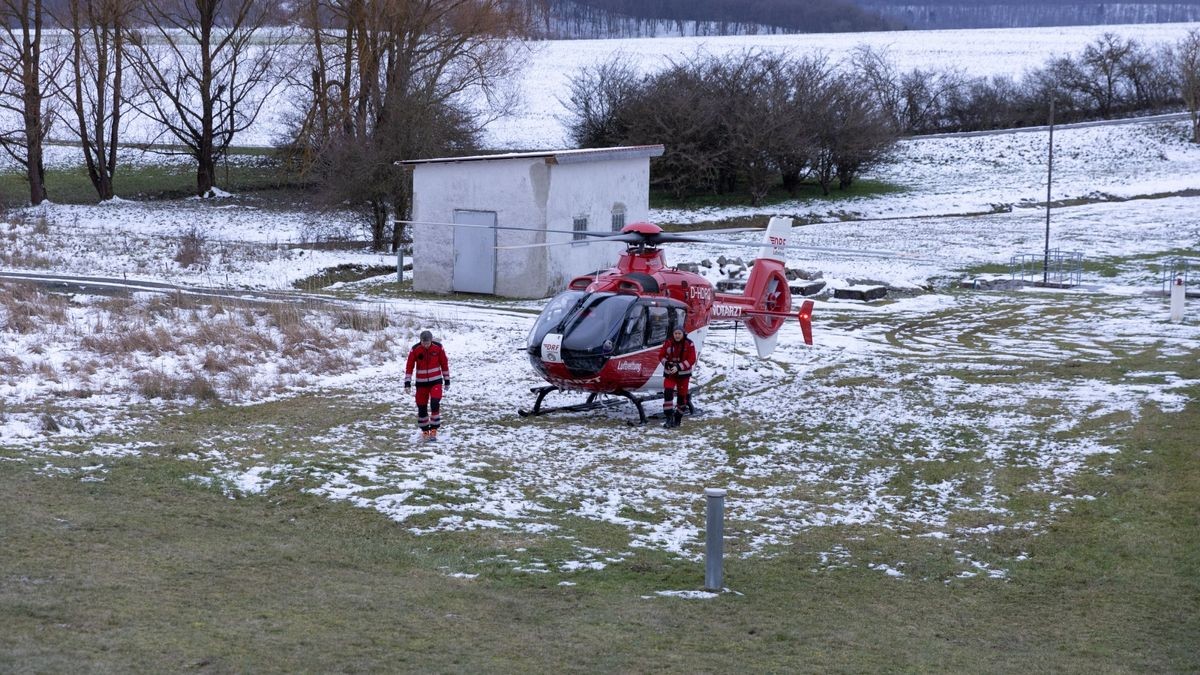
429 364
682 353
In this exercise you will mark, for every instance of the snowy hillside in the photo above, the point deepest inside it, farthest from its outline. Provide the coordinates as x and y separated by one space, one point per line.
542 85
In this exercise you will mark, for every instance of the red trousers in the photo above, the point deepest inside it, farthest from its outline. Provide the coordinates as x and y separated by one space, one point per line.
671 385
429 406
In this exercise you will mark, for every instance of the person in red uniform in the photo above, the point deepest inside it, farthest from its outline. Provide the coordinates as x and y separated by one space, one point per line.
427 361
678 357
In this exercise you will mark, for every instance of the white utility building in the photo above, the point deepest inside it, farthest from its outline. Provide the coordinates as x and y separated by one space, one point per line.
462 207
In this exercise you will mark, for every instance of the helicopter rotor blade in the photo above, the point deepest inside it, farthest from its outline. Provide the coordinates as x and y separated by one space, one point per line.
517 228
667 238
624 238
831 250
547 244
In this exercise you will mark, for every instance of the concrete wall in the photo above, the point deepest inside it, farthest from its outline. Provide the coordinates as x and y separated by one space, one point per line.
524 192
592 189
515 189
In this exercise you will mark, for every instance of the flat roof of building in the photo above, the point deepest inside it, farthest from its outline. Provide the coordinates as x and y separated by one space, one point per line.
557 156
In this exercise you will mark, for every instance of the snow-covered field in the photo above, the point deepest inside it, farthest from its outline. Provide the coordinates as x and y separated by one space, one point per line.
542 85
982 53
917 414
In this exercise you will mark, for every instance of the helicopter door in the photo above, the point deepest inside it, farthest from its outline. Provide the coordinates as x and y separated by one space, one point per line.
633 333
474 252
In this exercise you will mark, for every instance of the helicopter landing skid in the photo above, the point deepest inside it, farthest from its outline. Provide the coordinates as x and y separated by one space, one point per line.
592 403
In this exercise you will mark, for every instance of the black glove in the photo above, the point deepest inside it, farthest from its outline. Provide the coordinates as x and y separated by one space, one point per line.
446 383
407 386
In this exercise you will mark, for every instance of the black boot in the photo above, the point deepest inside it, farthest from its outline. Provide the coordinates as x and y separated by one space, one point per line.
670 423
678 418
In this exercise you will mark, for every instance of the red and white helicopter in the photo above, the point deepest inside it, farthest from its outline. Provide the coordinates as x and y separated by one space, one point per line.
603 333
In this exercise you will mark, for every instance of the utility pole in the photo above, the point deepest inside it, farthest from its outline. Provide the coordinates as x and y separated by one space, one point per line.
1049 181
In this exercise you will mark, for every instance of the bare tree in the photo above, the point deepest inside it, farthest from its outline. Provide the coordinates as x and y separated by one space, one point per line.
1151 84
851 132
875 69
678 104
1100 72
25 77
597 96
1186 59
753 118
400 79
808 77
205 66
98 55
1057 81
916 101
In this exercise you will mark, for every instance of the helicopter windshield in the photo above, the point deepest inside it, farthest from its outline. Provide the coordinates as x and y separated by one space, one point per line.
594 326
552 316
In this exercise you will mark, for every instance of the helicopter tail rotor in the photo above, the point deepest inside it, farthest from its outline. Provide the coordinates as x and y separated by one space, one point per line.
766 302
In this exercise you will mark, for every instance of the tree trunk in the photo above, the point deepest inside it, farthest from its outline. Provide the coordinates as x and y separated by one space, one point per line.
104 186
206 171
35 169
791 181
379 217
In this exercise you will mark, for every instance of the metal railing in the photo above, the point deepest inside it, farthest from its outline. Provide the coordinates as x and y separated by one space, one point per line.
1180 267
1059 269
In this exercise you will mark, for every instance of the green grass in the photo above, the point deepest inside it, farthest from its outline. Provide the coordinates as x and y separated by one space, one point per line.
347 272
180 577
250 171
149 571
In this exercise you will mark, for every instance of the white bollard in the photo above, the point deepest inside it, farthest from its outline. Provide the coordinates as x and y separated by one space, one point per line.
1178 291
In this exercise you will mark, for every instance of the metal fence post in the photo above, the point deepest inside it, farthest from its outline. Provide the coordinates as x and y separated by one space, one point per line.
714 538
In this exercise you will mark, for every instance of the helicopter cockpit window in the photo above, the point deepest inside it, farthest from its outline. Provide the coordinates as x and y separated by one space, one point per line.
633 334
553 315
595 326
660 324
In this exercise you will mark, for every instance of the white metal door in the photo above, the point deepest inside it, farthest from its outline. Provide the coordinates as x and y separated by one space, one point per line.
475 252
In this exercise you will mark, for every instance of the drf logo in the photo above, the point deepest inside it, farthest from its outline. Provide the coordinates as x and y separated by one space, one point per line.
552 348
778 244
726 311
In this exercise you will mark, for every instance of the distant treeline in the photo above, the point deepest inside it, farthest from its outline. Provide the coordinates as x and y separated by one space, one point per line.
653 18
932 14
